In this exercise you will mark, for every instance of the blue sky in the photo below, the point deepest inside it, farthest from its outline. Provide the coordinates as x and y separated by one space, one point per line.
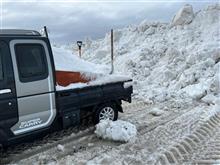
72 20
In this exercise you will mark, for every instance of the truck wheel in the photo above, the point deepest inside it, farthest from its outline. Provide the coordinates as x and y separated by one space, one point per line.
106 112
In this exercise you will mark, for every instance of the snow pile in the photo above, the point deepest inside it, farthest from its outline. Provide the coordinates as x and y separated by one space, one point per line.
65 60
116 130
167 62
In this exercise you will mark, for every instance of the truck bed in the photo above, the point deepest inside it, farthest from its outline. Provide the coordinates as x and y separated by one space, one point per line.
71 101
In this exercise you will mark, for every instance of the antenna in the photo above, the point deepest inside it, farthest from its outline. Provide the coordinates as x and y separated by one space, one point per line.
45 31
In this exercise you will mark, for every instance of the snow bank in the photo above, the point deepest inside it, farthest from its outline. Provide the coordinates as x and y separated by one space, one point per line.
116 130
167 62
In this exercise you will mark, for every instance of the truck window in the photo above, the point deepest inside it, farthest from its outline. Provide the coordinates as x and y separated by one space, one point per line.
31 61
1 66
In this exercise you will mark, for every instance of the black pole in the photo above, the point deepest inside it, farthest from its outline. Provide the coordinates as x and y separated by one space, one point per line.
112 52
80 53
45 31
79 43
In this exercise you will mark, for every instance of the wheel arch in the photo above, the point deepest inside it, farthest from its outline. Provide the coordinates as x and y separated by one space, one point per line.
117 103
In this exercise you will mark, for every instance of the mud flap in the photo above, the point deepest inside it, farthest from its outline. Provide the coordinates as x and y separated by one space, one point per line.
71 119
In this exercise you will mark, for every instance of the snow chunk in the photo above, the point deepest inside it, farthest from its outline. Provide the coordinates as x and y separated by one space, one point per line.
209 99
150 31
143 26
196 91
184 16
60 147
90 144
156 112
116 130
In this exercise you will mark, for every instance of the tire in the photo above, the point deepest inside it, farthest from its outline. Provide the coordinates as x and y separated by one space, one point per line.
108 109
3 148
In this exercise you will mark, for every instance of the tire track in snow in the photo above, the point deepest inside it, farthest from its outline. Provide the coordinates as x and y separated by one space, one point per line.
197 142
18 155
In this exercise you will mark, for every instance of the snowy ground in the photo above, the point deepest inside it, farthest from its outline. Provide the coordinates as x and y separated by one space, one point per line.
145 149
175 67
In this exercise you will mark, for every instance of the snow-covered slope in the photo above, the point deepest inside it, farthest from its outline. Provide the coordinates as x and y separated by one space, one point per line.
167 60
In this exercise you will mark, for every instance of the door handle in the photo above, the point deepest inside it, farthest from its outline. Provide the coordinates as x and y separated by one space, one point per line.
4 91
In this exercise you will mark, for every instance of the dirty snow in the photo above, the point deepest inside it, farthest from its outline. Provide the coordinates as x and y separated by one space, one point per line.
116 130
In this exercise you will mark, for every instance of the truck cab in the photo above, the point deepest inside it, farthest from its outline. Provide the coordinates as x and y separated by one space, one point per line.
29 102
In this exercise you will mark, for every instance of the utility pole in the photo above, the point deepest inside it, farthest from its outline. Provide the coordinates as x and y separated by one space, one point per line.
79 43
112 52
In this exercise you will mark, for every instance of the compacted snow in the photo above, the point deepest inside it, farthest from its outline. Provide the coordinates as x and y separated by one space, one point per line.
116 130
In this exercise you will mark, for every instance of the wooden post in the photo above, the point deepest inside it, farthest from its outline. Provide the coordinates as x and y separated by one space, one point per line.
112 52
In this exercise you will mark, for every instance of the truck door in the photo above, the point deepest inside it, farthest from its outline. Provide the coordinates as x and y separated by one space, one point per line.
34 85
8 103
